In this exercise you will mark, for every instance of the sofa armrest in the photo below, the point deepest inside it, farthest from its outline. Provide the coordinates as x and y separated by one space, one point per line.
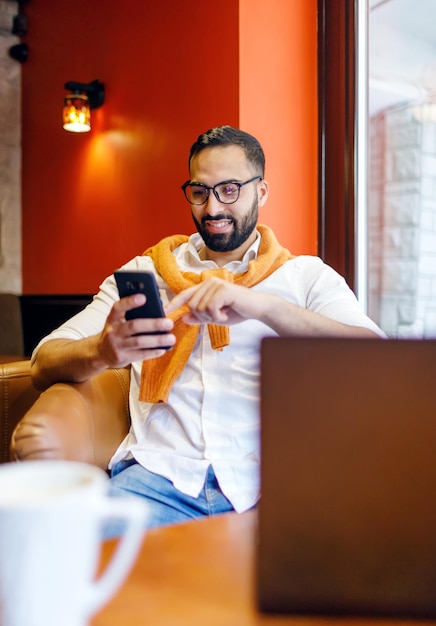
76 421
17 394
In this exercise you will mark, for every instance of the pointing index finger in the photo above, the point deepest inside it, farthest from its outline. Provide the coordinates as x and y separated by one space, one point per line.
179 300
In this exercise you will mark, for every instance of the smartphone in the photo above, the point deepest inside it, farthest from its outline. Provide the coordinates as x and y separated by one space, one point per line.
130 282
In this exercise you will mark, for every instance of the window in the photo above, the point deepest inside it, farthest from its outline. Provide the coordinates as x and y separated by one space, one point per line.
378 151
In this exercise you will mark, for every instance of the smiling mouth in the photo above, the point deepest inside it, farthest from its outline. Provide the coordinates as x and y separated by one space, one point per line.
217 225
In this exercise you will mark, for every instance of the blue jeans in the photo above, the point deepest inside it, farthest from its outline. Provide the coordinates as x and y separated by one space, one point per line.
166 504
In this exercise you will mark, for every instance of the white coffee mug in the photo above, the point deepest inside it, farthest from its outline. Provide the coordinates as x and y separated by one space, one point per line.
51 519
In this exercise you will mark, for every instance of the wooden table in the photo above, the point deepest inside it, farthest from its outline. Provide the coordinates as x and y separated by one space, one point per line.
199 574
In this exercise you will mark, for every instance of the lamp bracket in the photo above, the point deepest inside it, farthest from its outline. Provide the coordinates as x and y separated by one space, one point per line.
94 91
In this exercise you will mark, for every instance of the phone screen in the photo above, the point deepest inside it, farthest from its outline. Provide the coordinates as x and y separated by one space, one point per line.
130 282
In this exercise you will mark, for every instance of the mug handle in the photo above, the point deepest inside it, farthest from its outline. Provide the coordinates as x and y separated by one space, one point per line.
133 512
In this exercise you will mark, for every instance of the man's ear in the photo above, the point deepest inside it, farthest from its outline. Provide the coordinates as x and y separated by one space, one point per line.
262 191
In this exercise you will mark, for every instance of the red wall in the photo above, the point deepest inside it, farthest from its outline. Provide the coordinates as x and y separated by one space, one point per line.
172 70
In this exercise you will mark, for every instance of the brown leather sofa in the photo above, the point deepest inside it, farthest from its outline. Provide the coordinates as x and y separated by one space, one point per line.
83 422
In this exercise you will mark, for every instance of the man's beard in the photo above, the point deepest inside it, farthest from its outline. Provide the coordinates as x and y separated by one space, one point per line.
226 242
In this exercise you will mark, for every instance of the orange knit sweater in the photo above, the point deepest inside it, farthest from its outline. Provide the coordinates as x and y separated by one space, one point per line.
158 375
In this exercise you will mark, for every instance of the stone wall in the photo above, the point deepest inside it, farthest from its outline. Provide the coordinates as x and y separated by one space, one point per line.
402 223
10 156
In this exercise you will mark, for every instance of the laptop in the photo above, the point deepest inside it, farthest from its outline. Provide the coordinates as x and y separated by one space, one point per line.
347 515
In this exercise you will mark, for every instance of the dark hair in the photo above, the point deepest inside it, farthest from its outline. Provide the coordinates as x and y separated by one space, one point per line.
229 136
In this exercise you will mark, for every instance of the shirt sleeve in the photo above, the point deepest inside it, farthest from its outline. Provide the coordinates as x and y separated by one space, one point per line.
326 292
92 319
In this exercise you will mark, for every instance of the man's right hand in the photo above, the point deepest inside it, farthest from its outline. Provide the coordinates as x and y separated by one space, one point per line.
123 341
118 345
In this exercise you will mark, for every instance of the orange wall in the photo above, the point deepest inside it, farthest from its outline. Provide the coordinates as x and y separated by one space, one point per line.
278 104
172 70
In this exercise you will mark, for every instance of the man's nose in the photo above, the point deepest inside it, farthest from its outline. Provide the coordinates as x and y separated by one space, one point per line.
213 205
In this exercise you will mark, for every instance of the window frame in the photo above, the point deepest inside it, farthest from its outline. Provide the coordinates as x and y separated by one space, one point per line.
337 136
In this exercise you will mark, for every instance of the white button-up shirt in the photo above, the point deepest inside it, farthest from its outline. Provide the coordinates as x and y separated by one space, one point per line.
212 413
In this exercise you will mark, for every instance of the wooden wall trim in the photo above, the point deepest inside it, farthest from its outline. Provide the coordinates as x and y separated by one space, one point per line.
336 101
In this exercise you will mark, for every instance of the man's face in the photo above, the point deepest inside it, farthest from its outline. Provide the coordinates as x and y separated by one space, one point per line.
226 227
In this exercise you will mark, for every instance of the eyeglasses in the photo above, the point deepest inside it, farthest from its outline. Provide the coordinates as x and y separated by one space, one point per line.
226 193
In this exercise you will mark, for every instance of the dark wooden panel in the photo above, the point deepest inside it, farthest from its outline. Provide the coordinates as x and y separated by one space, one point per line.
43 313
336 88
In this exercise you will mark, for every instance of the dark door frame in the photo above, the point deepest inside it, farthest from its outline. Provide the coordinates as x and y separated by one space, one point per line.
337 106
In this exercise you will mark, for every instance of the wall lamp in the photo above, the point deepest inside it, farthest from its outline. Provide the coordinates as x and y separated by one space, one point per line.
78 105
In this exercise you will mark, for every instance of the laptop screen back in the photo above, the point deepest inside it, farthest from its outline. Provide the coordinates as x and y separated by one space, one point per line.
347 516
